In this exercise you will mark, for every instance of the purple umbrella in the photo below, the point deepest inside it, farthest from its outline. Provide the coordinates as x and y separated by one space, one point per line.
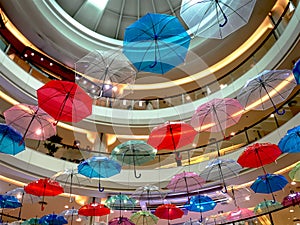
291 199
120 221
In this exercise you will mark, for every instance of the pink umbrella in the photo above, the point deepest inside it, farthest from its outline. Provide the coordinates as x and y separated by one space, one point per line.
217 115
239 213
185 181
291 199
120 221
31 121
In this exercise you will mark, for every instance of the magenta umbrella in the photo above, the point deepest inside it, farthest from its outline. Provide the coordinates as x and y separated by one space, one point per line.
217 115
120 221
30 120
185 181
239 213
291 199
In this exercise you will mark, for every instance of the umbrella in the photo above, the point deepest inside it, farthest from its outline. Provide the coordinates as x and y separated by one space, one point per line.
259 154
296 71
190 222
120 202
148 193
103 69
52 219
219 169
267 89
267 206
216 19
171 135
93 209
135 152
217 115
269 183
23 196
120 221
291 199
168 212
185 181
156 43
294 174
239 213
99 167
31 221
64 101
143 218
69 214
44 187
200 203
11 141
68 176
30 120
10 202
290 143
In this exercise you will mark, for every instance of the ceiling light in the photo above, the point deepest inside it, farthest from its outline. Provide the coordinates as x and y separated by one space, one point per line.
293 183
32 53
25 55
78 219
292 210
51 64
42 59
247 198
66 206
114 88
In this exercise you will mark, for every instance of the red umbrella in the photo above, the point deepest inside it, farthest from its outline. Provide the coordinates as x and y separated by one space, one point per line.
64 101
31 121
239 213
171 135
168 212
259 154
291 199
44 187
94 209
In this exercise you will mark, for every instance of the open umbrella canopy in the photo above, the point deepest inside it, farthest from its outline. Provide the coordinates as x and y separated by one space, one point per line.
150 194
52 219
267 89
290 143
120 221
267 206
120 202
134 152
239 213
294 174
296 71
64 101
23 196
31 221
156 43
8 201
99 167
171 136
168 212
200 203
93 209
185 181
269 183
216 19
30 120
103 69
143 218
11 141
217 115
259 154
291 199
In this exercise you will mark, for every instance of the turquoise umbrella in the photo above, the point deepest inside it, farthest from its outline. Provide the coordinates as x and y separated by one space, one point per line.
11 141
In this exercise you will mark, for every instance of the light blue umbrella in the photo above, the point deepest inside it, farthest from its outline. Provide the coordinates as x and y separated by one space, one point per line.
11 141
99 167
156 43
290 143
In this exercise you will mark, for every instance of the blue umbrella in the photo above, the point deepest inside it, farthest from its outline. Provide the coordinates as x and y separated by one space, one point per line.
11 141
296 71
99 167
290 143
200 203
156 43
52 219
8 201
269 183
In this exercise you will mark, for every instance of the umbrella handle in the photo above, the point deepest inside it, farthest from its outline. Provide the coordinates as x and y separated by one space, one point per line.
137 176
226 20
101 189
280 113
153 65
225 191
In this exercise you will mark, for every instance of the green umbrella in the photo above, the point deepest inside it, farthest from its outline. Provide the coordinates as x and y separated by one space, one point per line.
143 218
31 221
134 152
294 174
267 206
120 202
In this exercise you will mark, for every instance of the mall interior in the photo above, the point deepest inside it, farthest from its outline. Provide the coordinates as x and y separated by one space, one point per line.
71 41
